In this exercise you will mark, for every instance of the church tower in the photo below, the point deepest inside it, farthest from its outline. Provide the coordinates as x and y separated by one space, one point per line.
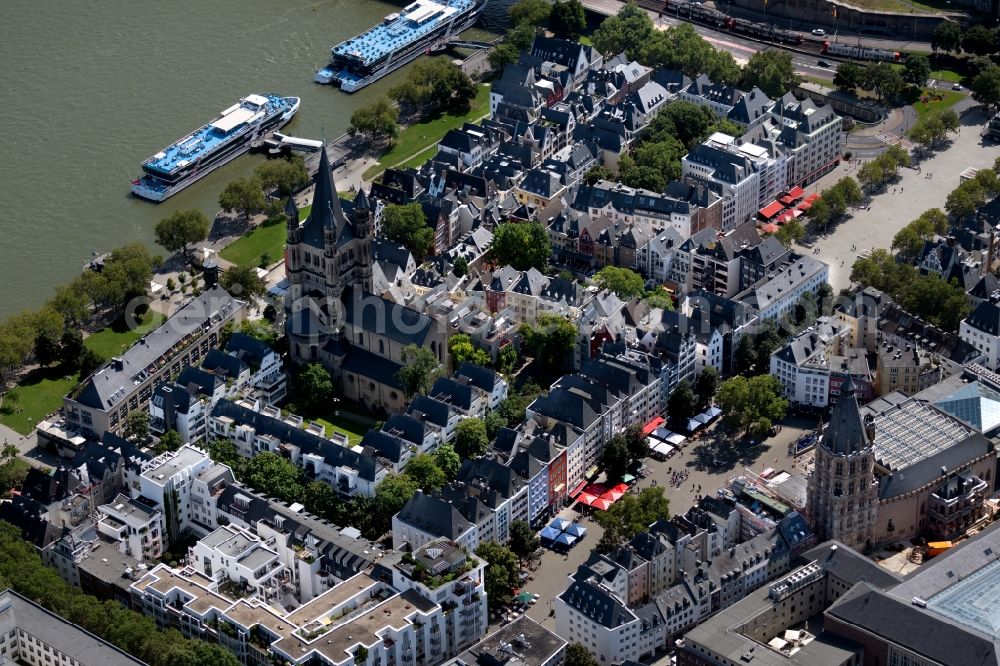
842 493
362 217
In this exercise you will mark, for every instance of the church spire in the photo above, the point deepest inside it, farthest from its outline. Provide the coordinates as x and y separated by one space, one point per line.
292 212
846 432
326 204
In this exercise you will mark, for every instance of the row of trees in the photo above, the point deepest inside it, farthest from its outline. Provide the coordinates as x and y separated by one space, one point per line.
876 172
881 78
52 334
276 178
833 202
941 303
909 240
22 570
951 38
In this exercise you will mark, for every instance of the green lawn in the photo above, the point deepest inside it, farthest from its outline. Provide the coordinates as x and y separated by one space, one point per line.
268 238
354 430
419 137
937 101
117 338
947 75
585 40
39 394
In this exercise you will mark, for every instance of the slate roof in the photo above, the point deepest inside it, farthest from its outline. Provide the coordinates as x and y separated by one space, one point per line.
750 107
592 601
433 516
217 361
326 210
845 433
850 566
248 348
378 315
405 426
308 443
114 381
985 318
432 411
480 377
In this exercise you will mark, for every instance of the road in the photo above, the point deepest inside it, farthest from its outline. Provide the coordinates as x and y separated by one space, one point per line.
551 575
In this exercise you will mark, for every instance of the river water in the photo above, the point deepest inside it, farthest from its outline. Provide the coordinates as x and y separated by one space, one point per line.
93 87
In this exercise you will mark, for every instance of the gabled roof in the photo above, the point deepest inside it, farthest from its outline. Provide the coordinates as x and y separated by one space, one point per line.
405 426
985 318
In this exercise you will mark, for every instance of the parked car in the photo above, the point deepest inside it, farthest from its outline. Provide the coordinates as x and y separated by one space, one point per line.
823 63
956 86
819 32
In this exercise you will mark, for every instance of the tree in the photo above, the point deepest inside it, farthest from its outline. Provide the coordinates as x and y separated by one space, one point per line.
137 426
628 31
550 341
470 438
179 230
501 573
283 176
636 441
819 214
532 12
419 370
320 499
424 471
460 348
460 267
523 540
633 513
979 40
849 76
408 225
71 303
275 476
12 472
379 121
883 80
917 70
90 362
947 37
579 655
71 349
986 87
706 385
391 495
790 232
745 356
313 388
507 358
932 128
47 348
494 421
244 196
521 245
745 402
596 173
623 281
243 282
909 241
503 54
521 37
568 20
659 297
435 84
771 71
615 458
169 441
448 460
682 405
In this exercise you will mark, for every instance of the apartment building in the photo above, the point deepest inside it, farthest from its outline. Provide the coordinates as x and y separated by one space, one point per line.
126 383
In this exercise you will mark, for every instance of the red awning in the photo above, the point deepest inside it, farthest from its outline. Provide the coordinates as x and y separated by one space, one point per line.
805 205
796 192
586 498
578 489
770 210
769 228
788 200
653 425
812 197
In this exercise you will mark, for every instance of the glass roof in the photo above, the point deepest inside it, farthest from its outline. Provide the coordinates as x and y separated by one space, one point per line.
975 404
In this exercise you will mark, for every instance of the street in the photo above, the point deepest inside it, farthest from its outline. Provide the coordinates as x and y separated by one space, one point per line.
551 576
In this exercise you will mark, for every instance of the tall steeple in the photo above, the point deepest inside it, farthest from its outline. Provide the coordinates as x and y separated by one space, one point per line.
326 204
291 214
845 434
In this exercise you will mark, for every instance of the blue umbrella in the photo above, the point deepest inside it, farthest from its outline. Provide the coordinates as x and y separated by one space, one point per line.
550 533
566 539
576 530
559 524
